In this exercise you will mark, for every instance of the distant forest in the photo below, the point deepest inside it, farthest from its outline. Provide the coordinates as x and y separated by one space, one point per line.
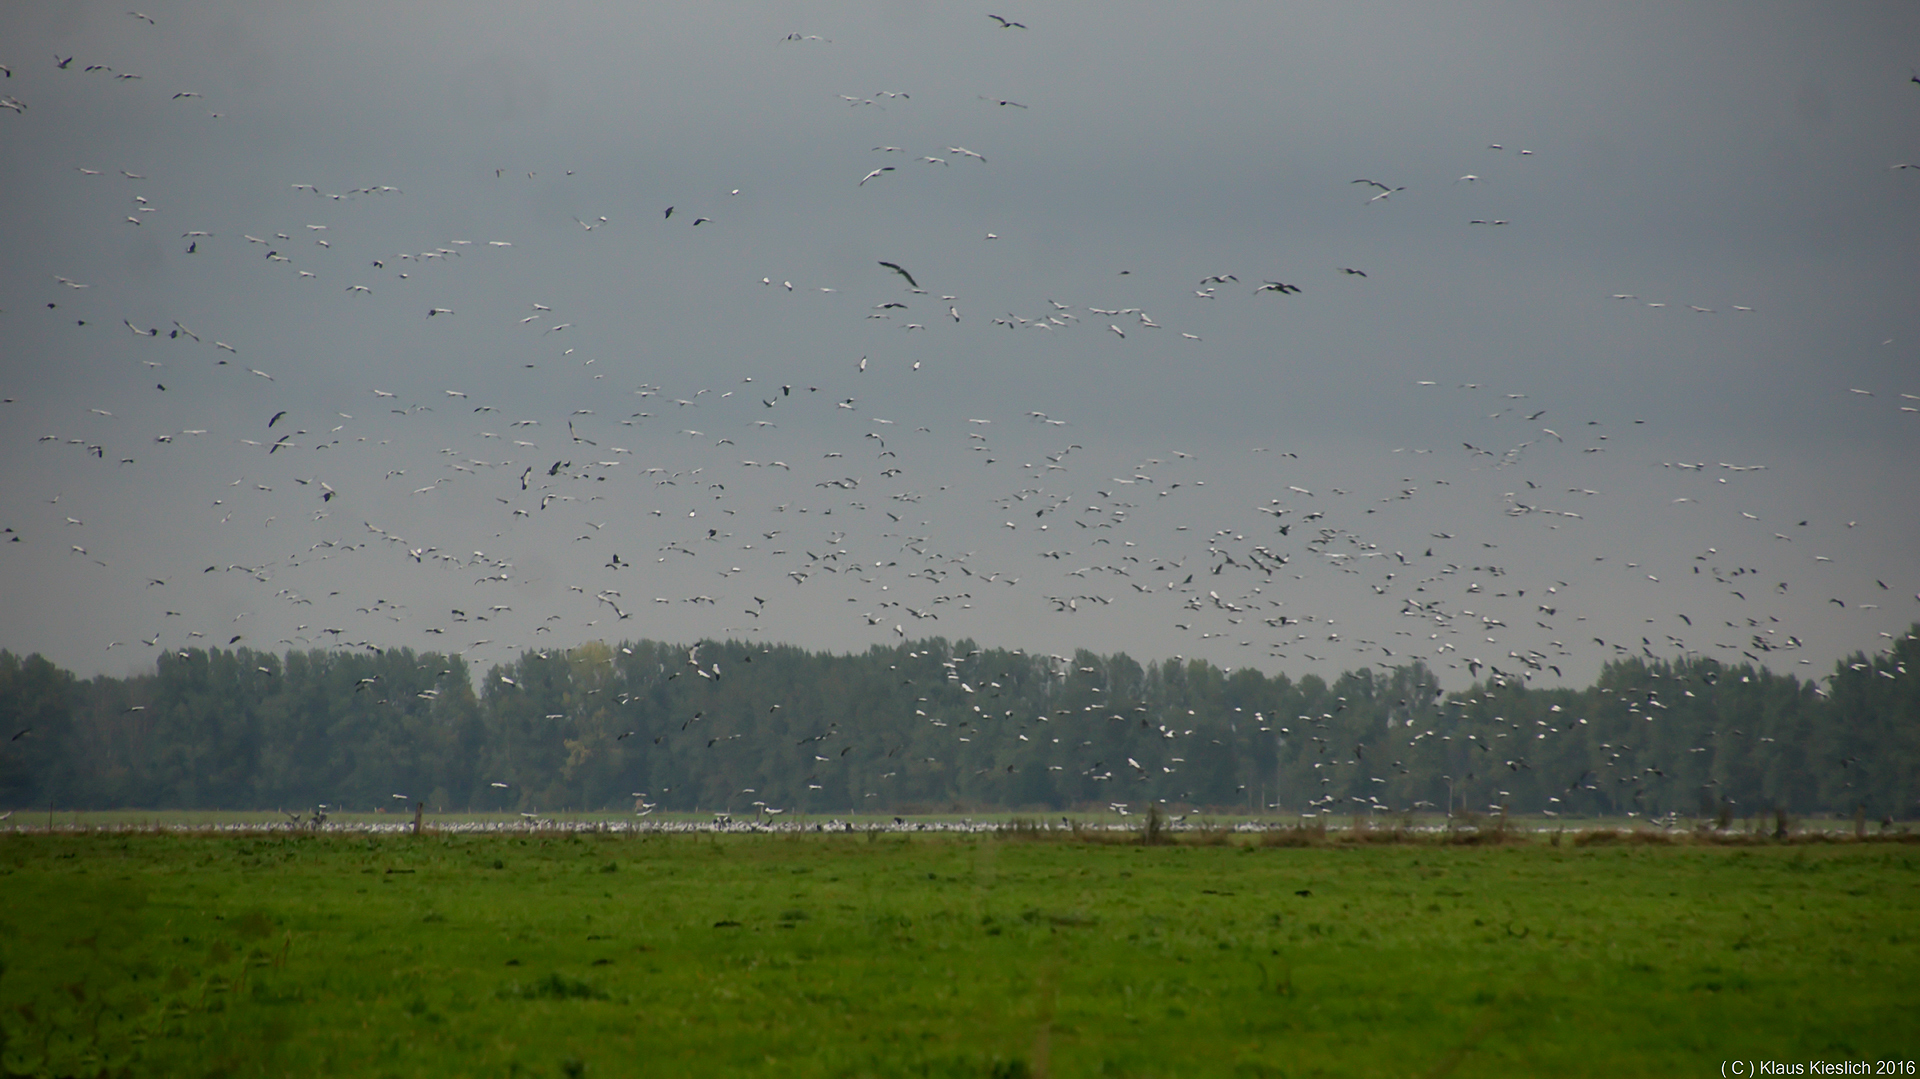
933 726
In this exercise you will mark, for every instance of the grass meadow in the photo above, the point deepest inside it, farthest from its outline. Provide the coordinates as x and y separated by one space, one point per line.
886 954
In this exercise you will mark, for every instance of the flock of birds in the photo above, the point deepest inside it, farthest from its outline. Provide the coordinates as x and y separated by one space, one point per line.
641 508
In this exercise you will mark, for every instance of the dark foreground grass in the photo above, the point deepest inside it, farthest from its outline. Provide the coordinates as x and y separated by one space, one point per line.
850 955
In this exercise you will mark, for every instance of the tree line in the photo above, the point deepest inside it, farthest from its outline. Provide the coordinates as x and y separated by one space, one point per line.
939 726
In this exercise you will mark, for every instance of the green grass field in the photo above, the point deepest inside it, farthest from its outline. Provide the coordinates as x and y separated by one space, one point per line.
890 955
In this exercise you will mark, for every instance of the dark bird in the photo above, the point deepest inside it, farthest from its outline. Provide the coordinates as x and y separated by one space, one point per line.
897 268
668 214
1275 286
276 417
1354 272
1007 24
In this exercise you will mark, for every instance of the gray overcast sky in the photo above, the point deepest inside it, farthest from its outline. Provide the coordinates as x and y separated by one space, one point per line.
1632 365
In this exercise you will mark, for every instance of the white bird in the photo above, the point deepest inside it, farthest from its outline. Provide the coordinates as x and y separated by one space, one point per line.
875 172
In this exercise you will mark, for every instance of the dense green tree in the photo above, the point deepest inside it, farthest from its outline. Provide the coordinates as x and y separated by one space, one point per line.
39 761
738 727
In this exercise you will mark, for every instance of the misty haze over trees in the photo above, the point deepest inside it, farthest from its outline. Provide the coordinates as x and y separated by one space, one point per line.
939 726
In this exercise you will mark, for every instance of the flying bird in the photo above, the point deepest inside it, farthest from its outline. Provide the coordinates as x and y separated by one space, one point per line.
897 268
